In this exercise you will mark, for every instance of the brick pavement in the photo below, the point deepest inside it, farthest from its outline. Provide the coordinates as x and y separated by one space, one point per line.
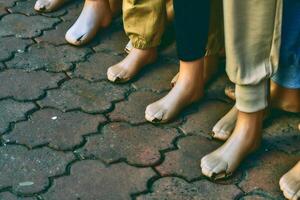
67 133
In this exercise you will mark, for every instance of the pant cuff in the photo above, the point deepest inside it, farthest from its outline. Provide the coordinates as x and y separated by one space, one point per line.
140 43
252 98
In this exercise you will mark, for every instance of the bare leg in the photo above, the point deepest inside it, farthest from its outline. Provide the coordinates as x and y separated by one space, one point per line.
188 89
290 183
211 64
49 5
131 65
245 139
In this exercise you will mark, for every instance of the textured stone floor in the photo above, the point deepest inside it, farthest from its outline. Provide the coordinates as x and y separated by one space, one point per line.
69 134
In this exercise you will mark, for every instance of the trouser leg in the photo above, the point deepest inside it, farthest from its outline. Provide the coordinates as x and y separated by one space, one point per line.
252 41
191 27
144 22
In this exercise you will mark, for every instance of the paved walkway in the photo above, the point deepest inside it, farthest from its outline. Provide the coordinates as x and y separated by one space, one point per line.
69 134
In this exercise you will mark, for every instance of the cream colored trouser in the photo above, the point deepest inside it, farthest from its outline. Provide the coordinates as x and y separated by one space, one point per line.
252 43
145 21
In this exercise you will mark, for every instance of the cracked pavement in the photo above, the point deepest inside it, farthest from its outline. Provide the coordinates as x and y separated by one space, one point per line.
67 133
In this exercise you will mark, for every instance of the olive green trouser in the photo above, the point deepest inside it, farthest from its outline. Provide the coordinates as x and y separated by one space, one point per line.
145 22
252 43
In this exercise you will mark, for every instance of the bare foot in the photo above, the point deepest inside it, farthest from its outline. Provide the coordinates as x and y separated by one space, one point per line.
285 98
131 65
245 139
224 127
290 183
188 89
96 14
211 64
48 5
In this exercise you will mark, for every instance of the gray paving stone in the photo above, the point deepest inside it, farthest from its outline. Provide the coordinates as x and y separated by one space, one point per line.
185 161
157 77
178 189
90 97
95 68
12 111
202 120
9 196
27 8
27 85
59 130
112 39
49 57
139 145
264 171
10 45
283 133
116 182
4 4
23 26
133 109
27 171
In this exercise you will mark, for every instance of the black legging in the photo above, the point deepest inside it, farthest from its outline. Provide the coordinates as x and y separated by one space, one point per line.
191 26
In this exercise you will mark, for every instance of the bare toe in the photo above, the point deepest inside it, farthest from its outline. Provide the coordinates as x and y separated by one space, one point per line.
116 74
154 113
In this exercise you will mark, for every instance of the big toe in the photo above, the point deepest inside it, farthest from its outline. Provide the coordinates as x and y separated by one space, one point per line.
221 133
116 74
154 113
214 167
41 5
76 38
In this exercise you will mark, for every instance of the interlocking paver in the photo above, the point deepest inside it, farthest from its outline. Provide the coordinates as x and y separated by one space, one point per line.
139 145
26 7
256 197
90 97
178 189
59 130
116 182
10 45
265 170
9 196
27 171
205 117
27 85
49 57
133 109
112 40
283 133
95 68
4 4
56 36
12 111
185 161
25 27
157 77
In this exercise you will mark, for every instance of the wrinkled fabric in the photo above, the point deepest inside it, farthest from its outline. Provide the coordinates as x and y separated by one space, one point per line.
144 22
252 44
288 74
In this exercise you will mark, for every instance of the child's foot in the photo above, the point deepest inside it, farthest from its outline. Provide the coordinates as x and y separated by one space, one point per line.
188 89
48 5
244 140
224 127
131 65
290 183
96 14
